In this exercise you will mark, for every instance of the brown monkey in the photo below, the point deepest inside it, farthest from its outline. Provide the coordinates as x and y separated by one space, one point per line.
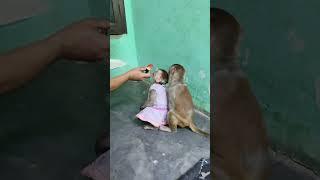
181 109
155 107
240 146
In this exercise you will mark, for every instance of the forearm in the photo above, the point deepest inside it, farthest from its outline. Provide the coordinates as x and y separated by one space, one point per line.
20 65
118 81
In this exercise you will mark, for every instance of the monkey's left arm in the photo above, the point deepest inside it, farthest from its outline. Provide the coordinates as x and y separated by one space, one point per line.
151 99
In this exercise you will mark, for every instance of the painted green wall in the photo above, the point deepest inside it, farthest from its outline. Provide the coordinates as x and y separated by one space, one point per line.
169 32
280 55
124 47
166 33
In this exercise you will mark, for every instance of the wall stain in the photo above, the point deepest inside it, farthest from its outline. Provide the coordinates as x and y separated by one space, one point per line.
202 74
297 44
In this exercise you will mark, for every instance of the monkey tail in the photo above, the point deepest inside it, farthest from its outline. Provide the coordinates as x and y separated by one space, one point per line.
195 129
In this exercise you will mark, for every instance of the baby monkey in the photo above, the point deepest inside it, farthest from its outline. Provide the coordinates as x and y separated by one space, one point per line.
155 108
181 108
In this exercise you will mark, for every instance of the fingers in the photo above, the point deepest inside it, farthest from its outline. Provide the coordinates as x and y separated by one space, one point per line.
142 68
103 24
97 23
146 75
137 74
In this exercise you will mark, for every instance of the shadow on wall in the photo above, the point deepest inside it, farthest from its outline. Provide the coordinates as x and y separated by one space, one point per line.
280 56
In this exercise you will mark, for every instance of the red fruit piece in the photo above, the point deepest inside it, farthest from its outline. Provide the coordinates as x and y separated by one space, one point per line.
149 67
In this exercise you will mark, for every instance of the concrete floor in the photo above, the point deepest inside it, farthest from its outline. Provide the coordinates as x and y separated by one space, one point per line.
47 158
285 168
48 128
139 154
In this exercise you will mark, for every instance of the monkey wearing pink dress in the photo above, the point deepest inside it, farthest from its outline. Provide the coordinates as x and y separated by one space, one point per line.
155 108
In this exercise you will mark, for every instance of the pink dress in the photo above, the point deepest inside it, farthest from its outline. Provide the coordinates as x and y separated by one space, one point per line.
157 114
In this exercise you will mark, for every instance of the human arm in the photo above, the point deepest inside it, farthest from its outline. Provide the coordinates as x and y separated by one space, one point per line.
136 74
21 65
84 40
118 81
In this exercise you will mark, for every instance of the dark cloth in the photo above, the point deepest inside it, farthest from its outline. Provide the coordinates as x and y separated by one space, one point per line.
201 170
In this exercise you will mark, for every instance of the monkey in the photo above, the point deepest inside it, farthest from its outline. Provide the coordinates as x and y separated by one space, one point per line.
239 139
155 108
181 108
160 77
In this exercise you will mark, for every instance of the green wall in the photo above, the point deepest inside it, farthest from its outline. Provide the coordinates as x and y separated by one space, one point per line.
124 47
169 32
280 55
164 33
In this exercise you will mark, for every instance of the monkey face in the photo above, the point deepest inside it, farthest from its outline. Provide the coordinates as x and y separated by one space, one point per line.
157 76
225 36
160 76
176 68
176 72
172 69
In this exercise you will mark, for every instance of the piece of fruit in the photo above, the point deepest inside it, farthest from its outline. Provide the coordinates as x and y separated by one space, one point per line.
149 67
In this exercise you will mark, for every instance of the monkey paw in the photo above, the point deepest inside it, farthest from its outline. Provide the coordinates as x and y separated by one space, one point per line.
147 127
165 128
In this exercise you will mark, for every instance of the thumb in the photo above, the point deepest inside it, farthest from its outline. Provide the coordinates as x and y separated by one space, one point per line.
143 68
146 75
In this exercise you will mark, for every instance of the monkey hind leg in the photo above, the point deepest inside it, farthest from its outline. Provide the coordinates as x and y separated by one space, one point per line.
148 127
164 128
172 121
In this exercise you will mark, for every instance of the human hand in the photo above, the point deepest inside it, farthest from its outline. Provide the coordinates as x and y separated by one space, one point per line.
83 40
137 74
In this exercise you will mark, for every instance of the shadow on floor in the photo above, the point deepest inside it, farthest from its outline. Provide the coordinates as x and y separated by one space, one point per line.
284 168
149 154
49 127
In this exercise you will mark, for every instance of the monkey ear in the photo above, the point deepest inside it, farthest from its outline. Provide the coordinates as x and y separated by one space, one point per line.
185 78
